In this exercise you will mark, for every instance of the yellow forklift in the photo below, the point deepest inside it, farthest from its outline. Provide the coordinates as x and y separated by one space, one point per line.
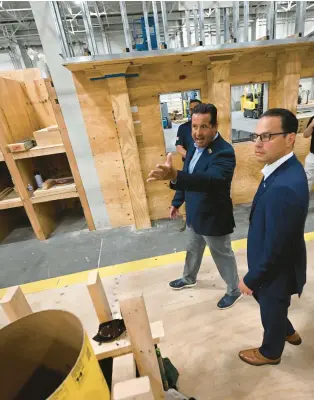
252 102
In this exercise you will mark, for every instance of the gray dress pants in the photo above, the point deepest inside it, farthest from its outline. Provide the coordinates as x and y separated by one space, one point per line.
223 256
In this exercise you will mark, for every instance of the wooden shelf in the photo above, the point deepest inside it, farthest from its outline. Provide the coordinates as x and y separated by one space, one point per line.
10 201
40 151
55 193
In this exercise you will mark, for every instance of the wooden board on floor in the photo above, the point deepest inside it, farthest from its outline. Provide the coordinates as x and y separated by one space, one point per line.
201 341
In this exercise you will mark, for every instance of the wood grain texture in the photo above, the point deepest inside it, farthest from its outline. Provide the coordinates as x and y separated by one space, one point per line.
20 117
22 75
197 339
279 65
38 98
94 98
133 389
123 369
14 304
219 94
287 80
98 296
137 324
5 135
70 154
123 118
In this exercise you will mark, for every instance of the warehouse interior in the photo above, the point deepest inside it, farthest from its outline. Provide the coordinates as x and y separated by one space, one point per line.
92 94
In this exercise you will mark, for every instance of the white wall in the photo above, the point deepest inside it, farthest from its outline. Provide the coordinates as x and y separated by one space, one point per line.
5 62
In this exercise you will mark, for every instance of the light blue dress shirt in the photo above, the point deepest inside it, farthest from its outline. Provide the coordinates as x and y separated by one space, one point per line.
196 156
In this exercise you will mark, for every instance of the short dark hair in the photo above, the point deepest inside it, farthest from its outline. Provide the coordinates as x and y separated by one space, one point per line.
289 121
204 108
195 101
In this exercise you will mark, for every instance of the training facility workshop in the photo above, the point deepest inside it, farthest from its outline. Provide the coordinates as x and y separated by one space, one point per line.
92 97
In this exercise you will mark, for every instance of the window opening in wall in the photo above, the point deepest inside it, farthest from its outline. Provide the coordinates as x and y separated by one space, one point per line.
306 96
305 106
248 102
174 110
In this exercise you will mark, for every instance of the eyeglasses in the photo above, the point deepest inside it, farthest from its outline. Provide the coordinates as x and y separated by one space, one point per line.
265 137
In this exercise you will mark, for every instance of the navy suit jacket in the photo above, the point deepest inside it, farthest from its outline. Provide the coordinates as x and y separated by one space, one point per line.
276 249
206 192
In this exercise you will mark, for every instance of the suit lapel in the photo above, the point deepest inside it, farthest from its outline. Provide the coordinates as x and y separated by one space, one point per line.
188 159
265 185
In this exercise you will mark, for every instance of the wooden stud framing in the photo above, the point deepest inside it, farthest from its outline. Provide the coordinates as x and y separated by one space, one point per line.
14 304
287 80
71 158
219 94
123 117
136 321
98 296
278 63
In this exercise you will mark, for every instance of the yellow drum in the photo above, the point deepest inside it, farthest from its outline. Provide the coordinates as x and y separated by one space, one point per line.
47 355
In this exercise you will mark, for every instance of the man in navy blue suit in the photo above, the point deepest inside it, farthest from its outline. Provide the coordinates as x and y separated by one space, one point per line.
204 185
276 248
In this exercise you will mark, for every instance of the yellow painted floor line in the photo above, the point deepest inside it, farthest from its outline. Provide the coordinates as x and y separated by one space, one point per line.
120 269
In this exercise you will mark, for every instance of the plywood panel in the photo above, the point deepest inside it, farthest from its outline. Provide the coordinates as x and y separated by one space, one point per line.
22 75
219 93
20 117
287 79
172 73
123 118
247 174
96 107
37 97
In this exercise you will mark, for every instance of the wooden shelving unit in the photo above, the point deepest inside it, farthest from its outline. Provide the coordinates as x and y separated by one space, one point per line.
40 151
12 200
28 105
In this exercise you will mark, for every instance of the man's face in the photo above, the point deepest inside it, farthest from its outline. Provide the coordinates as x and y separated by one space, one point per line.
278 146
192 106
203 132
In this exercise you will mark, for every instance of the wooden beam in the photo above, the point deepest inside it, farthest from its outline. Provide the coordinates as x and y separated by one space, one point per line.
287 80
124 121
14 304
123 345
70 154
98 296
123 369
137 324
134 389
219 94
5 134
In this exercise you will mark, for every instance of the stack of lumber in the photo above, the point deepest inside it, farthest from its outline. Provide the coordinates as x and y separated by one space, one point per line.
54 186
5 192
48 136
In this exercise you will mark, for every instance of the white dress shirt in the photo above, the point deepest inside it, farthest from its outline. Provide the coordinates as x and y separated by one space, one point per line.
269 169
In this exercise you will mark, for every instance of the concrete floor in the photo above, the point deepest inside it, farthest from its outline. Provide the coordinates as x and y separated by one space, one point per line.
72 248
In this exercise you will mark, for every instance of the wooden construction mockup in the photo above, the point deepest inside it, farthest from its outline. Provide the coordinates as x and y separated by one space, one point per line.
119 97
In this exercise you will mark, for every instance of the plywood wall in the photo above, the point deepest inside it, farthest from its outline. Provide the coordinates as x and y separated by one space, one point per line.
281 67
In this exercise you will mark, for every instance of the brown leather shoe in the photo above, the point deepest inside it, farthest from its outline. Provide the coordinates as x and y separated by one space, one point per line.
254 357
294 339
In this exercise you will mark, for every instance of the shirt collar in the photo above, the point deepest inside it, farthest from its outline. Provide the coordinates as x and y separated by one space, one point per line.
269 169
201 149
